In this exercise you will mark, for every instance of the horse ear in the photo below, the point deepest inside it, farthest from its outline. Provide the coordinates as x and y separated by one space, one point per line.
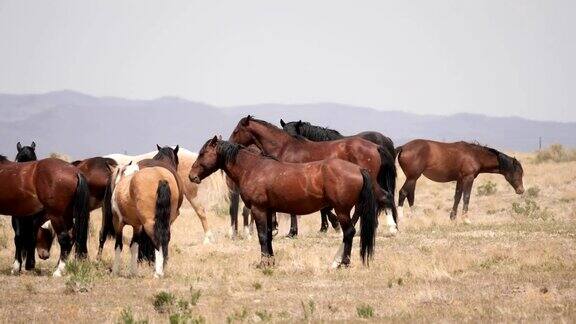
298 125
158 147
282 123
19 147
176 149
214 140
33 145
129 163
246 120
219 137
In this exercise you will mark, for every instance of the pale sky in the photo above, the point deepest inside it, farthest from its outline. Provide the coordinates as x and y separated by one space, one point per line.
498 57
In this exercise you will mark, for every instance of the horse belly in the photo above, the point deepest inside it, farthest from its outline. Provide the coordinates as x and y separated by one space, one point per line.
23 204
439 175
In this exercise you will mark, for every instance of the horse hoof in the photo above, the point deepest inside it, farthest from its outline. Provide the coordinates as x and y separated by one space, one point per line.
291 235
467 221
15 268
323 230
275 232
57 274
158 275
393 230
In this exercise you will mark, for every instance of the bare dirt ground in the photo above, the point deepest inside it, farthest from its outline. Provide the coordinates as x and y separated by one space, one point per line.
515 262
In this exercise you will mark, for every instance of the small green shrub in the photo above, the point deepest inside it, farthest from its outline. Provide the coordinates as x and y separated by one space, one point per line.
163 301
487 189
268 271
186 318
126 317
365 311
82 274
238 316
532 192
308 309
530 208
195 296
257 285
264 315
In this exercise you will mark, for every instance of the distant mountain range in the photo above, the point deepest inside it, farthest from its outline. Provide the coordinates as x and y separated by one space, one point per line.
81 125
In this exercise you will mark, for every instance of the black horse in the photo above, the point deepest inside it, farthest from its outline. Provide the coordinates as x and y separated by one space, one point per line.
322 134
25 228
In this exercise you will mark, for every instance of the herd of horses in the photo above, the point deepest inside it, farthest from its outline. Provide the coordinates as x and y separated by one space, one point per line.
297 169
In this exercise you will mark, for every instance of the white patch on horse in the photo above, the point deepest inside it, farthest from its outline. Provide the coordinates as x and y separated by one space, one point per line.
48 226
131 169
392 228
208 237
400 213
338 257
60 269
16 267
247 233
159 264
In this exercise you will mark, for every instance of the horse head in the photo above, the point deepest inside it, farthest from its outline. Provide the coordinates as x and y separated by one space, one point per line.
26 153
167 154
207 162
512 171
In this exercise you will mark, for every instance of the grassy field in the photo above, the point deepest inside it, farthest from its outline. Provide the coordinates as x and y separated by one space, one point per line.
515 262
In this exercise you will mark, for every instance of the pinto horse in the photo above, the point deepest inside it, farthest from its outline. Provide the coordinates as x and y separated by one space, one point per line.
323 134
190 190
53 190
268 186
277 143
147 197
460 162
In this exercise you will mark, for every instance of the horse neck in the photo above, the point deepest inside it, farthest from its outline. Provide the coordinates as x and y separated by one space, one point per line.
488 162
244 161
271 140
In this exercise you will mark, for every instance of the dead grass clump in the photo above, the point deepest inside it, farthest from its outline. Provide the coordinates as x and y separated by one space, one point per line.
63 157
555 153
487 189
530 208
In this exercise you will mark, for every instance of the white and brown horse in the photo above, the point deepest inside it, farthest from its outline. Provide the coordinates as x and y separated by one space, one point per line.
190 190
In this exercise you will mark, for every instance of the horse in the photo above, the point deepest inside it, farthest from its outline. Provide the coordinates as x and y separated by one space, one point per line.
268 186
277 143
323 134
190 190
146 196
460 161
50 189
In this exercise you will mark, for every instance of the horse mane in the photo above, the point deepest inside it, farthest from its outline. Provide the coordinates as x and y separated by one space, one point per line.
318 133
506 163
3 158
227 151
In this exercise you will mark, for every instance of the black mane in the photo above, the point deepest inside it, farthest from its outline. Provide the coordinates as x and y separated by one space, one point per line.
227 152
506 163
318 133
3 158
168 153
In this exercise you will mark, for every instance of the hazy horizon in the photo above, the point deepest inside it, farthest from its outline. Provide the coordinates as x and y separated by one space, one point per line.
503 59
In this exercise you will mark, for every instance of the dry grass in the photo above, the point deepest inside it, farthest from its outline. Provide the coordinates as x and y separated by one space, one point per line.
504 267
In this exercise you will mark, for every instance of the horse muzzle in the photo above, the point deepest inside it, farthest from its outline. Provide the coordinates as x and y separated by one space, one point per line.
520 190
43 254
195 179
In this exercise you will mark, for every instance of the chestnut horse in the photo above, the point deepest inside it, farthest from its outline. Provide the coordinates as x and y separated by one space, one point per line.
323 134
277 143
146 196
53 189
268 186
460 162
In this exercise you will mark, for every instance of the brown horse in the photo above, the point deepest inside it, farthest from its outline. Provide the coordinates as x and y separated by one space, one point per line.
53 189
275 142
268 186
323 134
460 162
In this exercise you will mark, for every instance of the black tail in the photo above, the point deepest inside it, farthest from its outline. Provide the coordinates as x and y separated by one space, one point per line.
367 208
398 150
107 227
81 215
162 218
387 177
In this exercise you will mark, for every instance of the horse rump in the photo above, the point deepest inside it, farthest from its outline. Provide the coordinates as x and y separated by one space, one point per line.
81 216
146 246
368 208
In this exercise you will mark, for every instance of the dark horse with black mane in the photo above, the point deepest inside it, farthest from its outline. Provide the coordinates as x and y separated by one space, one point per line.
268 186
52 190
277 143
460 162
323 134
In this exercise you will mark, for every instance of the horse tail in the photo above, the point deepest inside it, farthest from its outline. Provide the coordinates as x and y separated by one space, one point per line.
367 207
387 178
397 152
162 217
81 216
107 227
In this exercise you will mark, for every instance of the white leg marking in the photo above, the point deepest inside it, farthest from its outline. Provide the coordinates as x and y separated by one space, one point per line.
116 264
231 232
338 257
60 270
134 259
159 264
16 267
247 233
208 237
400 213
466 219
391 224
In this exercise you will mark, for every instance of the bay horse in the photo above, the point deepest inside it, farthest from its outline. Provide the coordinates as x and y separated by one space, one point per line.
323 134
53 190
277 143
146 196
460 161
268 186
186 159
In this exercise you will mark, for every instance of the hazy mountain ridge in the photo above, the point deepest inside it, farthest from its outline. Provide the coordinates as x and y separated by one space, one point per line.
82 125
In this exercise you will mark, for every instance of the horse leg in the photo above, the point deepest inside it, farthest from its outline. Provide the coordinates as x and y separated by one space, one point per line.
117 249
457 196
234 204
407 191
342 257
467 189
324 221
264 236
18 243
333 219
246 217
31 242
134 251
274 224
293 226
65 242
199 209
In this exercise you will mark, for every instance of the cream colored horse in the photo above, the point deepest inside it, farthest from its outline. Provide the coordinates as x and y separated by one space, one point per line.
147 200
186 159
